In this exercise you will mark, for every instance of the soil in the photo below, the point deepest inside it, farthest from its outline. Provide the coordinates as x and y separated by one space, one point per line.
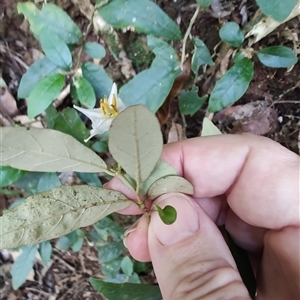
270 107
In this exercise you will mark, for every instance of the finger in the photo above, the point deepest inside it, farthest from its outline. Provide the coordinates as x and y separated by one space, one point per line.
279 275
259 176
190 257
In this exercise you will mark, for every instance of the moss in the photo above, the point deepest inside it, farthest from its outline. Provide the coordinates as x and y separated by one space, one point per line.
139 53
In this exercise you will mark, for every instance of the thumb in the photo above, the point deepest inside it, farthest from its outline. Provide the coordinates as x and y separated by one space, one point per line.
190 257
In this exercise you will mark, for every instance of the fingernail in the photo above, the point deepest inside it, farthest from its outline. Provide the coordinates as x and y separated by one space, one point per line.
131 229
186 224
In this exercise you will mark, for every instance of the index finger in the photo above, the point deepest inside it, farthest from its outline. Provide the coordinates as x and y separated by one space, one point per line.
259 176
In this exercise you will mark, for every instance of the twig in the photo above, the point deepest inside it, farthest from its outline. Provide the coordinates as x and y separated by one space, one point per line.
188 31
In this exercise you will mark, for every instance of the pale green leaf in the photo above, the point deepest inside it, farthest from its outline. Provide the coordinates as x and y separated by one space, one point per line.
46 150
22 266
142 15
94 50
232 86
55 48
135 141
130 291
38 70
277 9
170 184
127 266
209 128
55 213
44 93
160 170
47 182
277 57
110 251
201 55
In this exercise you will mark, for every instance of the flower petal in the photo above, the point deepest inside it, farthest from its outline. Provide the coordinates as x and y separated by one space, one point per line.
101 127
113 92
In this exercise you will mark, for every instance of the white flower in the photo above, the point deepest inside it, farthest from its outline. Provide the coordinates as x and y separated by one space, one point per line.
103 116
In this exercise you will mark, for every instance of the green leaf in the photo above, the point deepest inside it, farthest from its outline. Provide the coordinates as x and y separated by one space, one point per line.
44 93
98 78
127 266
55 213
160 170
22 266
151 87
55 48
110 251
204 3
100 146
38 70
108 229
277 9
52 17
94 50
209 128
83 91
189 102
9 175
30 149
29 182
89 178
231 86
65 242
45 250
124 291
142 15
201 55
170 184
112 268
68 119
47 182
232 34
138 145
168 214
277 57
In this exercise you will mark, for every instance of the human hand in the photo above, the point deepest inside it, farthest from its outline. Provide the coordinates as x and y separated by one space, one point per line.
249 184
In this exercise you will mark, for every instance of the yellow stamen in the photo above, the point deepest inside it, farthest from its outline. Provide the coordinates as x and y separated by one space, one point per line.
109 110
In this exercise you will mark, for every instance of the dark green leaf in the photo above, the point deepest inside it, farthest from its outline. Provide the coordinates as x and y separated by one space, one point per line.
201 55
190 102
38 70
84 92
67 120
29 182
78 244
127 266
9 175
107 228
142 15
277 9
168 214
45 250
90 178
238 56
47 182
277 57
94 50
126 291
52 17
232 34
110 251
151 87
55 48
231 86
42 95
22 266
204 3
98 78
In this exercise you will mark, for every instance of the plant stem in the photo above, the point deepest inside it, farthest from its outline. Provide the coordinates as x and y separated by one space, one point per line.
188 31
